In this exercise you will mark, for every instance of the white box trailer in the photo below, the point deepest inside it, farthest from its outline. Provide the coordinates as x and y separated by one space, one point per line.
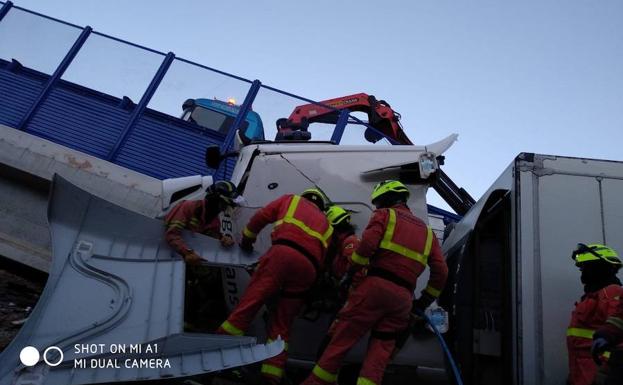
513 284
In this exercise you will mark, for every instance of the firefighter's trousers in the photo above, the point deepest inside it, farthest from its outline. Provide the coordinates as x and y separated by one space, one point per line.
283 273
377 306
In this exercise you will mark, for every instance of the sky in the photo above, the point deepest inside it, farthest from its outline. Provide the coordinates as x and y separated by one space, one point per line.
507 76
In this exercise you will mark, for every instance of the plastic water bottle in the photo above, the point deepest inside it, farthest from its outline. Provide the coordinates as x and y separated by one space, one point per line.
438 317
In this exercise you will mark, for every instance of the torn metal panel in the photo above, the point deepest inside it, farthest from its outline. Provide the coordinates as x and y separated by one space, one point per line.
114 281
436 148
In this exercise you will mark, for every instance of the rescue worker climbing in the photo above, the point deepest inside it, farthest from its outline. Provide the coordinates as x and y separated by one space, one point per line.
599 265
344 243
396 246
300 237
203 283
200 216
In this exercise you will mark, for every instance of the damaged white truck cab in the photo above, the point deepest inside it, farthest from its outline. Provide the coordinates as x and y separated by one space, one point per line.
114 280
347 175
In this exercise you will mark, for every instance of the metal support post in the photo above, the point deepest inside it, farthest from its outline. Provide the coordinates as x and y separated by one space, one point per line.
5 9
242 114
342 120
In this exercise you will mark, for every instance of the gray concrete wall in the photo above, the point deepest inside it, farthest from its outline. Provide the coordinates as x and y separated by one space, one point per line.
27 164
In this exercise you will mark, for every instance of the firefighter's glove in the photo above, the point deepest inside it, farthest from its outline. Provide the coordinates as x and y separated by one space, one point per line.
417 325
192 258
601 343
252 268
227 241
246 244
422 303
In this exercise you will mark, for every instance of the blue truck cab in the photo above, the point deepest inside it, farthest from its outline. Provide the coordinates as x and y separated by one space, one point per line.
219 116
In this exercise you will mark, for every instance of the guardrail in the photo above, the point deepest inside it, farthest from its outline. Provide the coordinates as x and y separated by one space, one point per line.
120 101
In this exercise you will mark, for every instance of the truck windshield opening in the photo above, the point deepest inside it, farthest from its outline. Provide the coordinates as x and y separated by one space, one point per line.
214 120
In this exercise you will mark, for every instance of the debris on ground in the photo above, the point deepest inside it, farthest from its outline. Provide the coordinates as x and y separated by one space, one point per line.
18 296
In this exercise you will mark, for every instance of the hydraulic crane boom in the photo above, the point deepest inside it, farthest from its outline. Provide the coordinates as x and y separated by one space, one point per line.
380 116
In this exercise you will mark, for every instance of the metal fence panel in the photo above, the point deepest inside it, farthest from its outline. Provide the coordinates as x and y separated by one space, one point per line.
87 122
19 88
36 42
113 67
185 80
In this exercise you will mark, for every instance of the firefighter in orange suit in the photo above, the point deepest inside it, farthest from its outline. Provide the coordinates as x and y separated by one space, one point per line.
344 244
599 265
396 247
300 237
341 249
610 337
200 216
611 332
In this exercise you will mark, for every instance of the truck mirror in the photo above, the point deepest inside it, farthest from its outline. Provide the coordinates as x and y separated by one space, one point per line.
372 136
213 156
188 104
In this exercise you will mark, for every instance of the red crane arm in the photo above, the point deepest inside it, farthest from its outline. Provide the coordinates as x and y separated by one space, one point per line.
380 115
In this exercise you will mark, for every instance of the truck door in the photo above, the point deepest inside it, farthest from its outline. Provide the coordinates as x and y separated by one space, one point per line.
480 299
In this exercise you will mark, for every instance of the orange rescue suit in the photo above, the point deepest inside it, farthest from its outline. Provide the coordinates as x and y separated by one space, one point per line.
589 315
189 215
345 246
300 237
396 246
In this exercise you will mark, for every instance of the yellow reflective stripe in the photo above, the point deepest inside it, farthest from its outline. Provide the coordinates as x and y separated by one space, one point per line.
359 260
289 218
387 243
391 226
432 291
231 329
248 233
324 238
285 344
175 226
365 381
616 321
272 370
579 332
429 242
194 221
324 375
294 203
